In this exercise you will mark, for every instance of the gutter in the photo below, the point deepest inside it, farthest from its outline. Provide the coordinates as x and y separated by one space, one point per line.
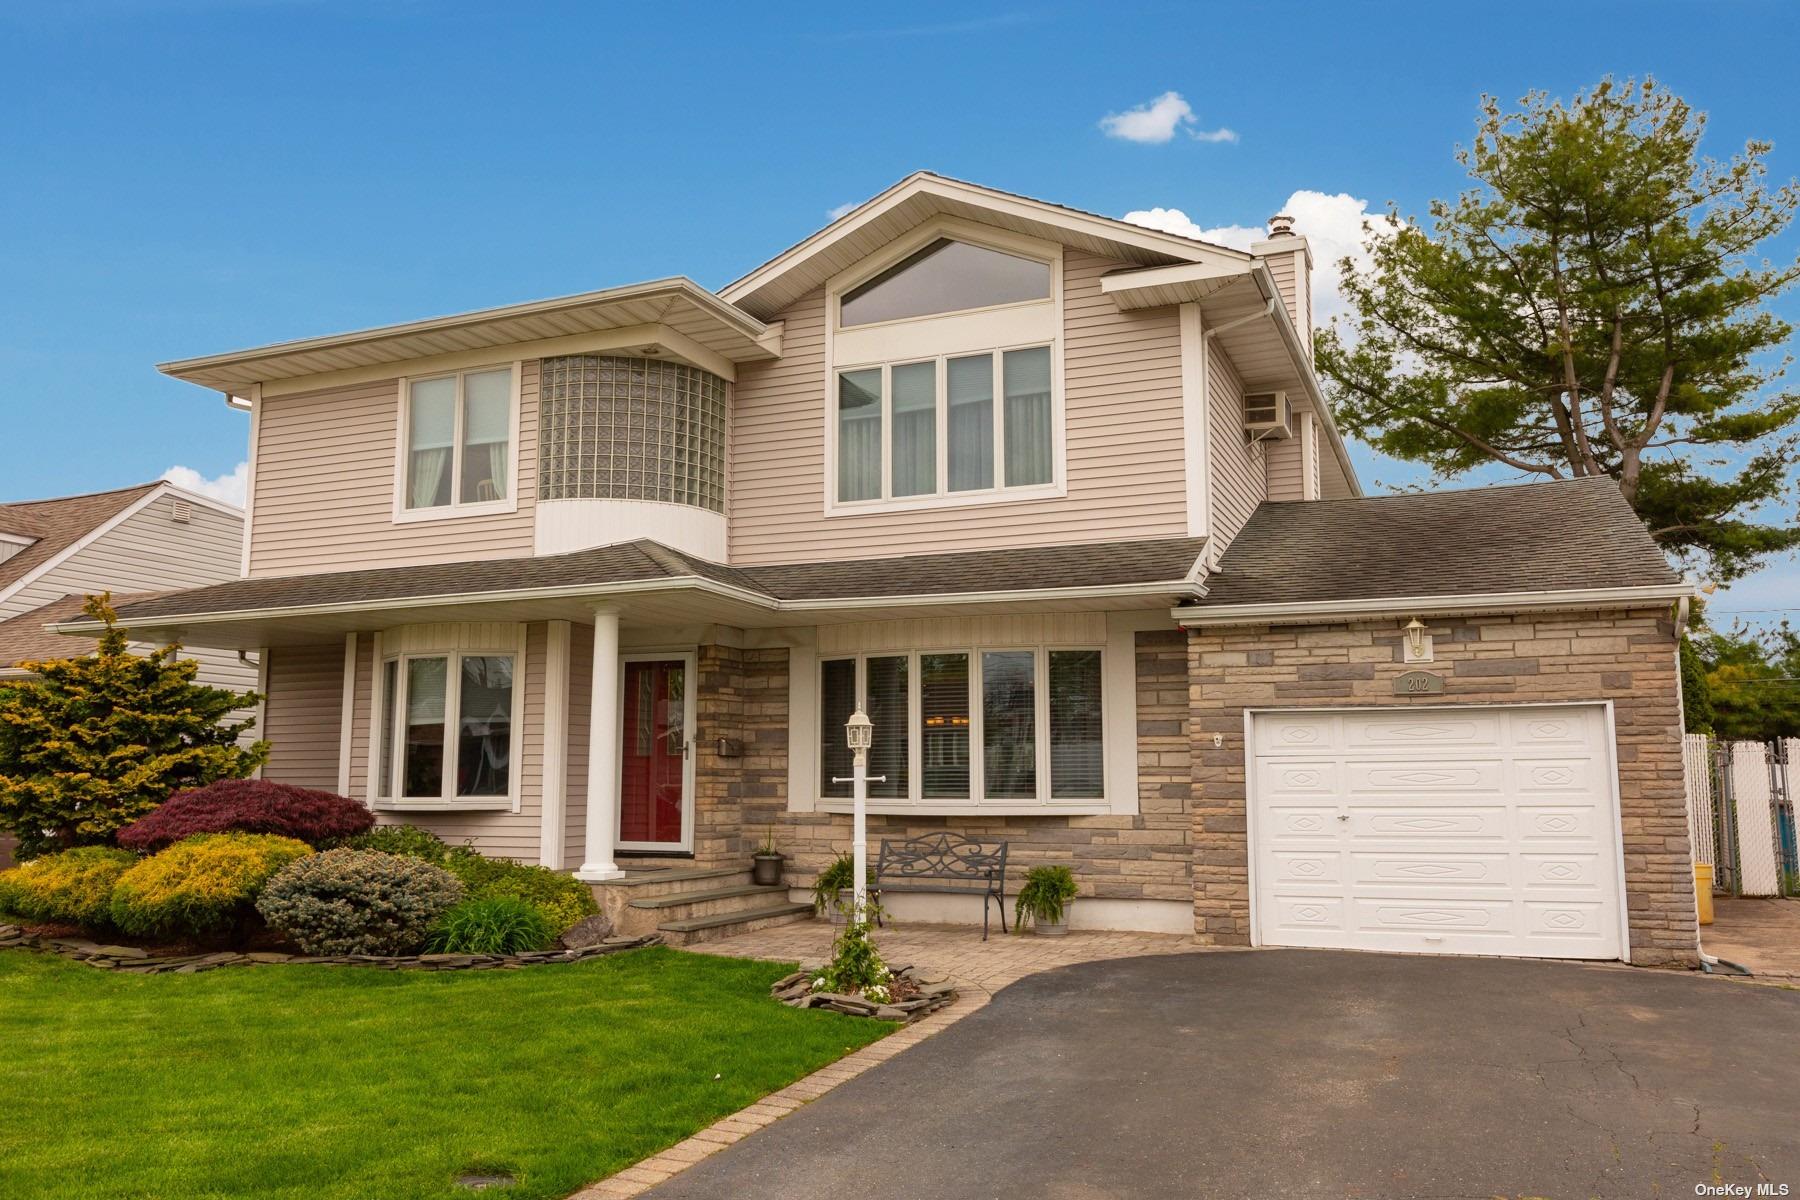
1323 611
650 586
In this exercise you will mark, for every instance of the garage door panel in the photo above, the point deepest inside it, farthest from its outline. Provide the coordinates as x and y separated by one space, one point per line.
1563 823
1287 824
1429 823
1427 873
1419 728
1482 830
1278 733
1493 918
1398 777
1302 868
1584 873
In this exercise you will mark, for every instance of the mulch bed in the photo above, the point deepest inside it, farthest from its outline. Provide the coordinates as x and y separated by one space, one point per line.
912 996
136 960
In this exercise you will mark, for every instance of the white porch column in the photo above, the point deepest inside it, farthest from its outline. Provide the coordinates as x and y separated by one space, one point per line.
603 752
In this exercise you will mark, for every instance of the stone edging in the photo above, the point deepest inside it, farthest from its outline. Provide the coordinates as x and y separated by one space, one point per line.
134 961
795 991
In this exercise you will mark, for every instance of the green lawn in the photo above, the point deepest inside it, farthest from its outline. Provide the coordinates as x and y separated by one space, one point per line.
319 1082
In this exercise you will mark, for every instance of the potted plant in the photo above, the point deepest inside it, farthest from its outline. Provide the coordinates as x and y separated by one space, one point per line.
1046 898
765 862
833 892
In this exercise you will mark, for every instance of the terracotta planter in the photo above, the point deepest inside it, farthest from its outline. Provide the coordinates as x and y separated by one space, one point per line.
765 869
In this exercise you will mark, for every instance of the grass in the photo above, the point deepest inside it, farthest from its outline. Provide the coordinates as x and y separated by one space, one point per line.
323 1082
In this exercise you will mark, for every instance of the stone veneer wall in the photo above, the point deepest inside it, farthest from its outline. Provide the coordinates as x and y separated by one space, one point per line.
1140 857
1625 657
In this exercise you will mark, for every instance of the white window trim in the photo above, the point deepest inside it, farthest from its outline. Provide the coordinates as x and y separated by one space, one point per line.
452 650
891 343
403 432
977 801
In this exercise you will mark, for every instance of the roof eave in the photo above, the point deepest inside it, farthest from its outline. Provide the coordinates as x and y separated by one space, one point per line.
1300 612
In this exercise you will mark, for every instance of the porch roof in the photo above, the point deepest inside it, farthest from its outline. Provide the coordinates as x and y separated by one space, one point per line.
649 581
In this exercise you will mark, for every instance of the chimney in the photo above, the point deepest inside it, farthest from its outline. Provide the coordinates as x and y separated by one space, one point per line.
1290 262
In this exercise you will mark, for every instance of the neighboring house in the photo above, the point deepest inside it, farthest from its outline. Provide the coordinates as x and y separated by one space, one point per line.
1055 498
151 538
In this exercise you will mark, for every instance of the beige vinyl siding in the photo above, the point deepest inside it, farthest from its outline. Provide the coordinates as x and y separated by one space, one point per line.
301 715
1237 476
149 551
1122 405
1287 468
362 700
497 834
324 487
581 708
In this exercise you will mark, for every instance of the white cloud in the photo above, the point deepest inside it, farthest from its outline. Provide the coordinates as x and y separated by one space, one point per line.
1331 223
842 209
1158 121
229 487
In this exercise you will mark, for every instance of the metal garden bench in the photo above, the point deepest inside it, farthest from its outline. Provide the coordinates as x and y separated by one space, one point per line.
946 862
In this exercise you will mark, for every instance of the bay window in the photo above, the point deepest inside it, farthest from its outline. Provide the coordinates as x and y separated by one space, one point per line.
932 427
457 434
447 729
995 727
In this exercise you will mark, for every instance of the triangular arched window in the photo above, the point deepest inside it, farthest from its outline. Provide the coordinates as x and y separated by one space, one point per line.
945 276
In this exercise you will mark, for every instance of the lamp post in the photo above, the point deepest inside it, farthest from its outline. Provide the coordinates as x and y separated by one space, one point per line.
859 731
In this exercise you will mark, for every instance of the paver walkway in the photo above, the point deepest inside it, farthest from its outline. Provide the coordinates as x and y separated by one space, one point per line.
943 951
1763 935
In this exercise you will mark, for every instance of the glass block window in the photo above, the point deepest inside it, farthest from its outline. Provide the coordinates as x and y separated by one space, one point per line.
614 428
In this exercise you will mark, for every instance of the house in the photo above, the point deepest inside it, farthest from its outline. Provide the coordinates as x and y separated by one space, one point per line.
595 582
151 538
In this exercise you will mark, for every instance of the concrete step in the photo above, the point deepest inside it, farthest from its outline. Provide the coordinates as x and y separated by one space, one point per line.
689 930
637 885
644 915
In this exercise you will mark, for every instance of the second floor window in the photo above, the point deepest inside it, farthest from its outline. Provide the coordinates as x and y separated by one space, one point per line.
945 425
458 440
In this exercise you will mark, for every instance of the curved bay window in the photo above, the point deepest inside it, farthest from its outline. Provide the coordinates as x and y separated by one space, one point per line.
617 428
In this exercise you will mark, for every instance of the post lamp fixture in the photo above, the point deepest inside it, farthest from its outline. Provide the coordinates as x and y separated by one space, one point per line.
859 733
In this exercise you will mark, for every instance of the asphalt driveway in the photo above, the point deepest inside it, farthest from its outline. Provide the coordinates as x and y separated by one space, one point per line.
1309 1073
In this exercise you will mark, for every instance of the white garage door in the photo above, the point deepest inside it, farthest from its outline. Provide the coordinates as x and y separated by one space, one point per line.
1438 830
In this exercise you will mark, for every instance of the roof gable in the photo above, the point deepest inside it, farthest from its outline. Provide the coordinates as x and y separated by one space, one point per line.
923 196
59 525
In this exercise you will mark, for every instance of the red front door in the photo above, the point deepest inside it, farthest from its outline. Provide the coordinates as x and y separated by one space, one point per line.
650 795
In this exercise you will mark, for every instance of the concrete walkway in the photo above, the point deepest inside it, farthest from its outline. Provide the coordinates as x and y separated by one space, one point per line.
1763 935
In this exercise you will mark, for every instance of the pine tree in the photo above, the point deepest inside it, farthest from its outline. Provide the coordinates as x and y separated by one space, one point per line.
93 742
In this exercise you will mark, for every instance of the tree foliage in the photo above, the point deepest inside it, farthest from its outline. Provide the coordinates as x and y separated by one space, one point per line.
1751 684
95 741
1595 305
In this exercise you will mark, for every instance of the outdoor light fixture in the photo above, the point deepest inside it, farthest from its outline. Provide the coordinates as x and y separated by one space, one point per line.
859 731
1418 641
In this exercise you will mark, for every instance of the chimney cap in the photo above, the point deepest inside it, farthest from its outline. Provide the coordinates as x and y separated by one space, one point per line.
1281 225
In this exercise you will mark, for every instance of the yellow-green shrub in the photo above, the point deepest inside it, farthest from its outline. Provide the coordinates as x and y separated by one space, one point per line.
75 886
201 885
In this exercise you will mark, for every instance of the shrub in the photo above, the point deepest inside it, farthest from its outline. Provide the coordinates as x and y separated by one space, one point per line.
201 886
493 925
248 806
358 902
93 742
562 899
407 840
75 886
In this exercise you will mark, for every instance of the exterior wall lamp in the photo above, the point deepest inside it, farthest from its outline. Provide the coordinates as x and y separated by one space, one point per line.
1417 648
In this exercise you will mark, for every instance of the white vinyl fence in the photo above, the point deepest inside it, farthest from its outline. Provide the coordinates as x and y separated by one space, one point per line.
1741 813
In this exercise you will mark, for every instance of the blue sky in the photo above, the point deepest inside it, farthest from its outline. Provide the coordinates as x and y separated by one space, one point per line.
187 176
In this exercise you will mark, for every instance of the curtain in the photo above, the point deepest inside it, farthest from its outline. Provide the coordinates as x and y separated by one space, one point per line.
1027 414
487 417
915 429
430 435
970 441
859 435
429 486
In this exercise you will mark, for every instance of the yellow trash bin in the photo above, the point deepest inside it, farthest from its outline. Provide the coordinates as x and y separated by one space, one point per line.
1703 873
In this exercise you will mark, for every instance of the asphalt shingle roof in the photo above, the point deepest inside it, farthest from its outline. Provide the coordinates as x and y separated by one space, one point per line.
1578 533
57 525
